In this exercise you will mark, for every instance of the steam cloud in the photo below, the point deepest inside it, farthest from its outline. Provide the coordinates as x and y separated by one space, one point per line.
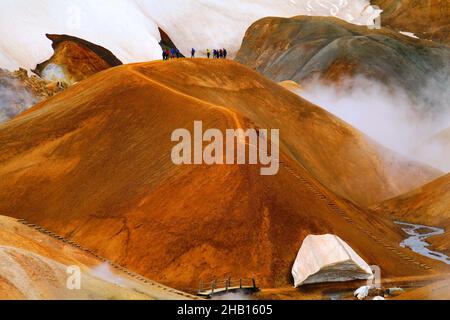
14 98
389 115
103 271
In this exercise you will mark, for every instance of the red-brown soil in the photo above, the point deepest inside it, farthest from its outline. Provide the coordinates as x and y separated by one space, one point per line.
93 164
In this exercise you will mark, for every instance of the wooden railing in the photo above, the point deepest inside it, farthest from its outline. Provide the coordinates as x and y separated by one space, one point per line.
227 285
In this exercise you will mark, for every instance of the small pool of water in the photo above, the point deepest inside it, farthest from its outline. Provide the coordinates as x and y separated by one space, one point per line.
418 234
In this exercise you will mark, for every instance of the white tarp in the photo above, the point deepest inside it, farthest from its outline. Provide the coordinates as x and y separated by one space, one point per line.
327 258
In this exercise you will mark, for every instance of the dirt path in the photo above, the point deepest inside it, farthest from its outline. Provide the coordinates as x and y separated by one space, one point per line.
233 115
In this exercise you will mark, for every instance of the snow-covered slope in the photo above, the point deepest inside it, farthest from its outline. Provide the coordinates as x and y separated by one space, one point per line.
129 28
118 25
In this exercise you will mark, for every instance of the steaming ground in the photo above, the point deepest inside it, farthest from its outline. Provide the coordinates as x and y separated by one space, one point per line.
104 272
388 115
14 98
402 105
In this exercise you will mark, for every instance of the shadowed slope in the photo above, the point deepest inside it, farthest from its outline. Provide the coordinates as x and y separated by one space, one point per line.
94 164
427 205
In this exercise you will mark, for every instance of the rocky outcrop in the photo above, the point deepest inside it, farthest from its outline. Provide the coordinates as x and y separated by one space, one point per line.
327 258
75 59
166 43
18 92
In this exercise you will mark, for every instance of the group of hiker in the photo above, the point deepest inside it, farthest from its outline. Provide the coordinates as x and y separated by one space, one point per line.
217 53
171 54
174 53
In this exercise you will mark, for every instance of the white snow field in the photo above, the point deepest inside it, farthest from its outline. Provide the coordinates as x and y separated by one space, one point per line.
129 28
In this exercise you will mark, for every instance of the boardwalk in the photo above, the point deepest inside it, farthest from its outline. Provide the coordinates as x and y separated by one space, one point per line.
227 286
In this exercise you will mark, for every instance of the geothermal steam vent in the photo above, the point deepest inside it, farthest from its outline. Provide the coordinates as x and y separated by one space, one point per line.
328 258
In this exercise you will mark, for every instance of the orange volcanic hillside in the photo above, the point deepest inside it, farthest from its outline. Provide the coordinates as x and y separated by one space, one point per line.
93 164
342 158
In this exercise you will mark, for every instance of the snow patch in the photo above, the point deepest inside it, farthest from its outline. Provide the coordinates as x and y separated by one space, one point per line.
409 34
129 28
362 292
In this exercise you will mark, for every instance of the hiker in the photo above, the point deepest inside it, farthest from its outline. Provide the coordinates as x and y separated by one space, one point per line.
164 55
178 53
172 53
193 53
167 54
220 53
208 53
225 53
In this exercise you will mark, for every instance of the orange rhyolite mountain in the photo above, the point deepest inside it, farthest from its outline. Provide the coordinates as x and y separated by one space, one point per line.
94 164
